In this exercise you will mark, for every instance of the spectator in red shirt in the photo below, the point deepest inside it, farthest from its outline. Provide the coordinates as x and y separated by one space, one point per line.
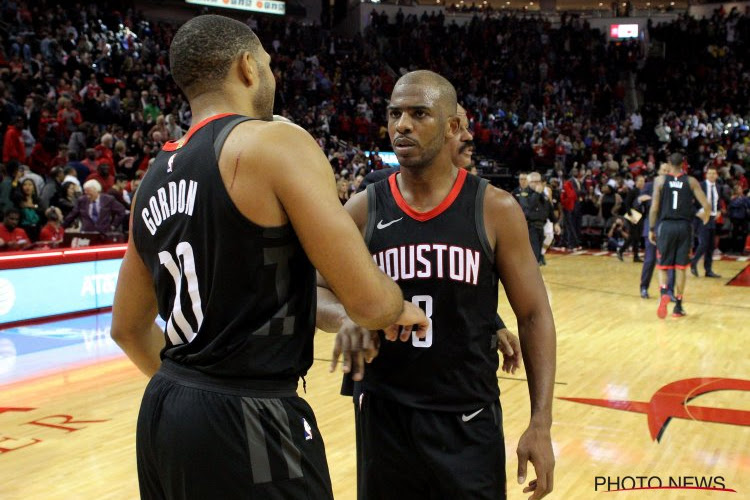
103 176
52 233
13 146
104 148
13 237
69 117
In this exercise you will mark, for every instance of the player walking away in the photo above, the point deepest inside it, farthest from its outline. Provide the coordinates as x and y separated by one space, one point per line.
673 207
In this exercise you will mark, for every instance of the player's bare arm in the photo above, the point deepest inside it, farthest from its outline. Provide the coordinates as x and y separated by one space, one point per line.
275 172
134 312
507 230
695 186
356 343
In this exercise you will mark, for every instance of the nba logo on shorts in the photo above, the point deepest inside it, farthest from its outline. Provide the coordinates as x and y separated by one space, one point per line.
308 430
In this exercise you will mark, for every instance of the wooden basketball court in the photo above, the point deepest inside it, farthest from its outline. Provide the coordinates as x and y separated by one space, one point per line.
70 434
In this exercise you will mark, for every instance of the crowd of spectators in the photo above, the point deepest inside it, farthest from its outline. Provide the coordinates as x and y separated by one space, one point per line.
86 102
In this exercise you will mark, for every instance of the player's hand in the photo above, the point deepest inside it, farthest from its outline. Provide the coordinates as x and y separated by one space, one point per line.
357 345
535 446
705 217
412 318
652 237
510 347
556 229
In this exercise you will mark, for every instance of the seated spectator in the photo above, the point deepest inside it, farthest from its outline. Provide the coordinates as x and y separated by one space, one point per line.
66 198
12 237
104 148
52 233
26 200
97 212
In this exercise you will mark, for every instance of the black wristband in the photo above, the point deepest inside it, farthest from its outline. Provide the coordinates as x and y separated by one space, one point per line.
499 325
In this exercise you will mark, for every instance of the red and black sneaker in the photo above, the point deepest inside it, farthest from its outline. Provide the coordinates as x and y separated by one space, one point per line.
661 311
678 311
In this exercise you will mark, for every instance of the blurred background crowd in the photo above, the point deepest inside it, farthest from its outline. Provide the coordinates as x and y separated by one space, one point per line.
87 101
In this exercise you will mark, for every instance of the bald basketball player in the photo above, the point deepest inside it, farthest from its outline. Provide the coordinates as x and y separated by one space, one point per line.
431 421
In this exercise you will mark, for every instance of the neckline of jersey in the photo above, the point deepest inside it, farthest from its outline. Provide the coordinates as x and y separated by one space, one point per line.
174 145
431 214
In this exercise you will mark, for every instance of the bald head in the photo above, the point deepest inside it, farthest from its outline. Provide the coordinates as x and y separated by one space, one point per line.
439 90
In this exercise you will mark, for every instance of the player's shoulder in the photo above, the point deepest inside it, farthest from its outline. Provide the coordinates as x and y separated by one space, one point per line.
499 202
357 207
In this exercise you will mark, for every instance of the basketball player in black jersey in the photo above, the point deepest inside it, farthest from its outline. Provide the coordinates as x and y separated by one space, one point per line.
673 207
431 421
226 228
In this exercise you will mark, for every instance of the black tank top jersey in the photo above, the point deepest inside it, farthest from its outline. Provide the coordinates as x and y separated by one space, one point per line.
443 262
238 298
677 198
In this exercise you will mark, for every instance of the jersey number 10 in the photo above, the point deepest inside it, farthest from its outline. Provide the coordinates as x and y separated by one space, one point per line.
178 269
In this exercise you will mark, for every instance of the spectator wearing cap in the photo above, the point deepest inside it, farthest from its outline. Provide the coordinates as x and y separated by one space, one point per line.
97 212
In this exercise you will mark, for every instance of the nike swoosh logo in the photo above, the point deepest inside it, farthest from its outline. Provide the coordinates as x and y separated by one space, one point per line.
466 418
169 163
383 226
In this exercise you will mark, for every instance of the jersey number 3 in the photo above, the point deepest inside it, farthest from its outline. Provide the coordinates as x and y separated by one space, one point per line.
184 267
425 303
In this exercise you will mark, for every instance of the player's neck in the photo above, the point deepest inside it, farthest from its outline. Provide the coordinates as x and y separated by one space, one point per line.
425 188
215 103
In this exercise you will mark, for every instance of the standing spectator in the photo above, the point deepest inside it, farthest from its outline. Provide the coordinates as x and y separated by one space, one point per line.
98 212
117 191
13 237
739 215
68 117
66 199
13 146
52 187
707 231
104 150
570 199
103 176
9 184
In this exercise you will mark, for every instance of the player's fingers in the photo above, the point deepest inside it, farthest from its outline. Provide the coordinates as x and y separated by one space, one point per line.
541 487
523 458
366 340
421 330
505 346
391 332
530 487
346 363
336 353
358 366
405 332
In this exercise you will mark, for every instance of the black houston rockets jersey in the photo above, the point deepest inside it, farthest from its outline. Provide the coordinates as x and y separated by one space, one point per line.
238 299
444 264
677 198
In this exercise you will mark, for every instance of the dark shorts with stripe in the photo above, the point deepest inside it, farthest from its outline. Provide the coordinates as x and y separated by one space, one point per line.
431 455
673 244
199 438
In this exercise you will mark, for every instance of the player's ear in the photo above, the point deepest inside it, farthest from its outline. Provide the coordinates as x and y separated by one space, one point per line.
452 126
247 68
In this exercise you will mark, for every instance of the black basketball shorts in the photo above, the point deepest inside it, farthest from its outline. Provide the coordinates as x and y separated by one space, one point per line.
431 455
198 439
673 244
